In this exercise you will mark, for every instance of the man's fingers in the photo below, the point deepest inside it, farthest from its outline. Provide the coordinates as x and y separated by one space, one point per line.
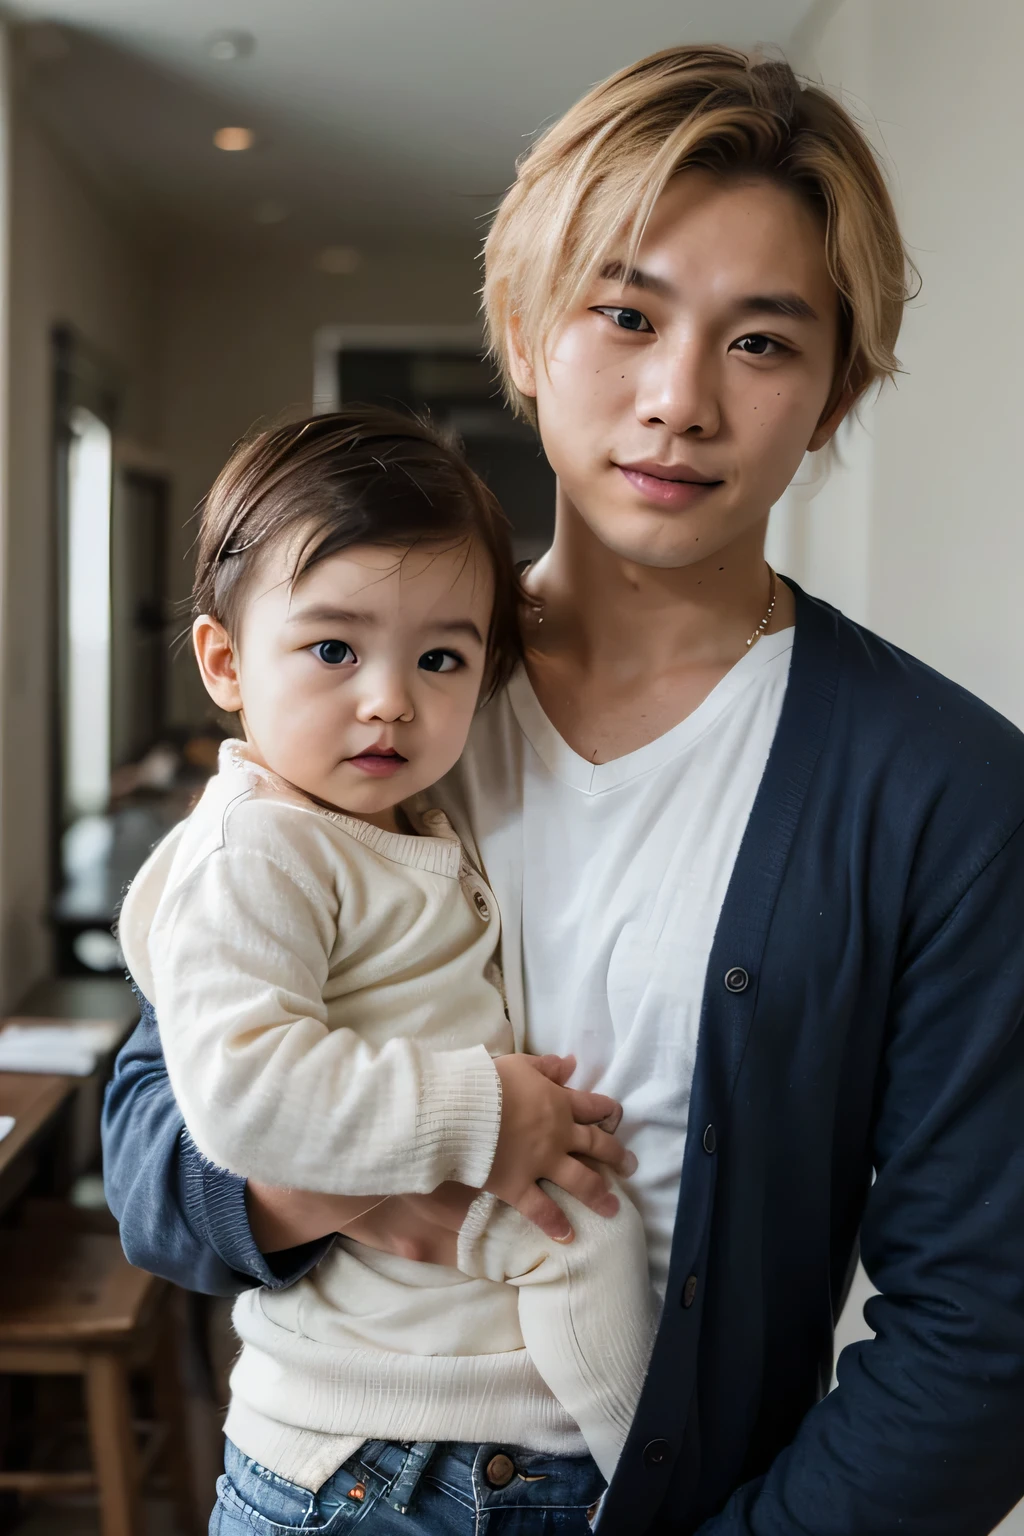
558 1068
447 1205
587 1185
539 1208
592 1108
611 1122
591 1141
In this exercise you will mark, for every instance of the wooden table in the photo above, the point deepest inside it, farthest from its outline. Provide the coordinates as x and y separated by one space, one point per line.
44 1104
36 1100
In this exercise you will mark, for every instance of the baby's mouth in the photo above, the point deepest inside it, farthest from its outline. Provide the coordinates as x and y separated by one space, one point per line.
379 762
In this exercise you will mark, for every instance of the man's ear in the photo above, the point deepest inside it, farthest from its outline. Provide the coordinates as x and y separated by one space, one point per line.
520 360
829 425
218 663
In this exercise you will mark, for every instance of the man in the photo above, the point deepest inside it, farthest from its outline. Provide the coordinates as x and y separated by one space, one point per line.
760 873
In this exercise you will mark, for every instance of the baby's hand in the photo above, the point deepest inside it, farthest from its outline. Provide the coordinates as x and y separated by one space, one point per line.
545 1130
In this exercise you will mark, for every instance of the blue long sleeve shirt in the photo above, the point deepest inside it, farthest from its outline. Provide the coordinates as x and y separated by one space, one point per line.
860 1071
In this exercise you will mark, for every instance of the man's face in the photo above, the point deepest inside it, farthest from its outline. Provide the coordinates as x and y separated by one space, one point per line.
677 400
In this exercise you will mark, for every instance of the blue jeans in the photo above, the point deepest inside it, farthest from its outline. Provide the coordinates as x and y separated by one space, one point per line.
415 1490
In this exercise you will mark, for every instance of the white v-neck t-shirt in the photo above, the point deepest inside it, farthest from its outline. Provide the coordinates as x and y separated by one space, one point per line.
610 878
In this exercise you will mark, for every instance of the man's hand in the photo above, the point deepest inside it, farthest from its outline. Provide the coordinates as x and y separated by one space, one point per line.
421 1227
545 1130
281 1218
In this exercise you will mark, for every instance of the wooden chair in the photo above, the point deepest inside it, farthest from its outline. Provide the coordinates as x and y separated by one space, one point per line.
72 1305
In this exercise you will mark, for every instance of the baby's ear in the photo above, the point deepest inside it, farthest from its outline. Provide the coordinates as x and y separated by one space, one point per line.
218 665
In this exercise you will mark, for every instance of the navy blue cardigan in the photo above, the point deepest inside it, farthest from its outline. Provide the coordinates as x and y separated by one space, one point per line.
862 1014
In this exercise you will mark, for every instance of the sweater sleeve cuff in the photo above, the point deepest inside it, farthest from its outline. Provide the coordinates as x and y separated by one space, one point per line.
214 1206
459 1115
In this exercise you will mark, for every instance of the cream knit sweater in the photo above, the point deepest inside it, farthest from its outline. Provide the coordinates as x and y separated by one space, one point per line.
328 1002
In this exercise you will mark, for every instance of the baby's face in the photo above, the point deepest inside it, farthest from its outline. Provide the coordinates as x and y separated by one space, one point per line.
359 684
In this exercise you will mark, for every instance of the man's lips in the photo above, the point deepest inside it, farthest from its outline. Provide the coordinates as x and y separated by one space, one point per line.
668 485
378 762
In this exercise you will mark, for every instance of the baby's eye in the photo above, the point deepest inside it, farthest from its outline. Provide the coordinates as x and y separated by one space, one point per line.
440 661
333 652
625 319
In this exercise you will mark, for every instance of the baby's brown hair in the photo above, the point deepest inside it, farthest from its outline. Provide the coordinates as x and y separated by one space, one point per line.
362 475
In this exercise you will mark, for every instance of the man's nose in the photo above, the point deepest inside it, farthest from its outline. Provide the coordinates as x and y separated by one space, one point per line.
385 696
678 388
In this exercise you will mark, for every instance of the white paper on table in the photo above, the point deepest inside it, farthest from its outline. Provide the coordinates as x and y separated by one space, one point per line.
7 1124
71 1048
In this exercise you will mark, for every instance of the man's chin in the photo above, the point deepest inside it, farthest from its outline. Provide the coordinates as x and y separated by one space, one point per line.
655 549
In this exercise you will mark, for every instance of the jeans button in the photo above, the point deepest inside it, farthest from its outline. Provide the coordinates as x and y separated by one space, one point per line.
499 1471
656 1453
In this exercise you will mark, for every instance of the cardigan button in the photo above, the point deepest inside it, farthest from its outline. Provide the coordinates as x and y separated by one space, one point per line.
689 1291
710 1140
500 1471
656 1453
736 979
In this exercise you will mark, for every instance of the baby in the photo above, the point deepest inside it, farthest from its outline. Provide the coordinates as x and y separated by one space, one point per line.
322 957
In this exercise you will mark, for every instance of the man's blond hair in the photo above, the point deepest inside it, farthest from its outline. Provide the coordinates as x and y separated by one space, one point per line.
590 183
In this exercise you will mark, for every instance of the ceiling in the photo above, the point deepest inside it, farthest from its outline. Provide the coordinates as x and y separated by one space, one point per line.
368 115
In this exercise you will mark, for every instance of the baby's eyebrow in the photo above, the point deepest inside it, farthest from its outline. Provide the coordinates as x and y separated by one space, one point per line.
460 626
325 613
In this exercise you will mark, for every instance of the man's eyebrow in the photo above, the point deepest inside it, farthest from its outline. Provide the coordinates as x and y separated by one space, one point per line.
634 277
790 305
325 613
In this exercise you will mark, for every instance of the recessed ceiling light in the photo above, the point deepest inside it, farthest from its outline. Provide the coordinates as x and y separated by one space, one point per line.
338 260
234 139
226 47
270 212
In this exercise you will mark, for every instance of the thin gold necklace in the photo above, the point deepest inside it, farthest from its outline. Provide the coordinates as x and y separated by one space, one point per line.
759 631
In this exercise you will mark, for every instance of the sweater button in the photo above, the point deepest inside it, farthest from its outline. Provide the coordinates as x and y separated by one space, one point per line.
499 1471
656 1453
689 1291
479 901
736 979
710 1140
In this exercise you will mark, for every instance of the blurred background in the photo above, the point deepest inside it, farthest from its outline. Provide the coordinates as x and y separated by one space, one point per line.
211 213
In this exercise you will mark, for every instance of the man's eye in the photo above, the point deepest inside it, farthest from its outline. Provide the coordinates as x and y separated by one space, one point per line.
440 661
333 652
625 319
759 346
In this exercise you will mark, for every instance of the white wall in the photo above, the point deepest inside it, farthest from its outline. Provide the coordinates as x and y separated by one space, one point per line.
923 536
239 350
69 263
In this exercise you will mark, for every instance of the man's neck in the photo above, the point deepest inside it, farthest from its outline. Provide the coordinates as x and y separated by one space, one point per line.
618 652
600 612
